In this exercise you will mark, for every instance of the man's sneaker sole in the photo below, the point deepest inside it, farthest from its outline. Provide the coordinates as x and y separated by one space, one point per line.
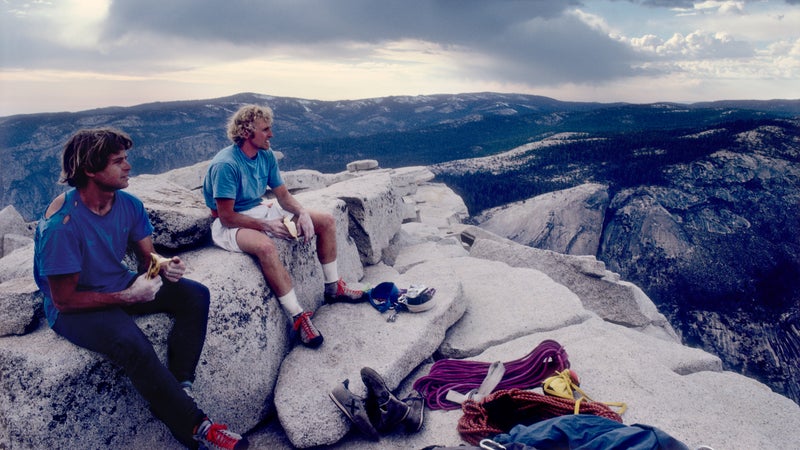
330 299
313 343
423 301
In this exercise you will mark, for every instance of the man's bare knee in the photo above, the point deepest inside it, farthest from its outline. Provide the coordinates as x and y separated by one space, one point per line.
266 250
324 221
257 244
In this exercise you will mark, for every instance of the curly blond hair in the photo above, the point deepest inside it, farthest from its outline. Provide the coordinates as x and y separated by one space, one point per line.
240 125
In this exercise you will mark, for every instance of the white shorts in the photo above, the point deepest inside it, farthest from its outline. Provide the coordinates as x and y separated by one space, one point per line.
226 237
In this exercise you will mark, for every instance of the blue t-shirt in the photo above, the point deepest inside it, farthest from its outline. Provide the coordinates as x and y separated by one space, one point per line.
76 240
232 175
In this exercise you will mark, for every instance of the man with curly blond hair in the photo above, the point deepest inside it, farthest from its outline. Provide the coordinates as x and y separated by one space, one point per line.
234 187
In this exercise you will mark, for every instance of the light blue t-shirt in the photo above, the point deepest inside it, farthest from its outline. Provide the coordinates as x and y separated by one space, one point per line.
232 175
76 240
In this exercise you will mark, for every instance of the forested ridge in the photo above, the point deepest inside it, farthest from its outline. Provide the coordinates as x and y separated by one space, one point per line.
617 159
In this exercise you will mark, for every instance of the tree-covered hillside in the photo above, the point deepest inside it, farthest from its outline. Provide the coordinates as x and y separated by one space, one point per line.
618 159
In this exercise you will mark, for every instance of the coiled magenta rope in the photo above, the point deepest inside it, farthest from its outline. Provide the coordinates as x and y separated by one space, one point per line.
463 375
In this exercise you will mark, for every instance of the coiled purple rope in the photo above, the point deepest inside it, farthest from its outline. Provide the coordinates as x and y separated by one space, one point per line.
463 376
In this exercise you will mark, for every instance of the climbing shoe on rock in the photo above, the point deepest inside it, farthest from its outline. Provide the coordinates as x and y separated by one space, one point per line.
309 334
339 292
216 436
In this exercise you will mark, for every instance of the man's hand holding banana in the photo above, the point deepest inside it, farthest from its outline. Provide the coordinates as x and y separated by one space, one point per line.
172 268
305 226
297 227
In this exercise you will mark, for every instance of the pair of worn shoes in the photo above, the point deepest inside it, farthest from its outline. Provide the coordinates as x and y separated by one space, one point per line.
380 412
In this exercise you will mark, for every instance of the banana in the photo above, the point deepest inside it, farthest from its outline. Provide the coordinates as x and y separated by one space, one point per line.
156 261
287 221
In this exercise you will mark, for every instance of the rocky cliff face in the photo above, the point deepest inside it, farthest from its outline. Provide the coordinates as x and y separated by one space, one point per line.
718 248
495 301
715 245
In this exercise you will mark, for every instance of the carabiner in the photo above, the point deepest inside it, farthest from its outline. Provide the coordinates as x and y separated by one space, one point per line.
491 445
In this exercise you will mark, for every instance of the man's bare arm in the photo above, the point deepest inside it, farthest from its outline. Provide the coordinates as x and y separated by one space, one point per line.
305 226
287 200
232 219
67 298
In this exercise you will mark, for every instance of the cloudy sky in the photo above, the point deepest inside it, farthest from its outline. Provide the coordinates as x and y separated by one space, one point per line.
70 55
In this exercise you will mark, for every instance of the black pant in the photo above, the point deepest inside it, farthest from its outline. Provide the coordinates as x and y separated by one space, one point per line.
113 333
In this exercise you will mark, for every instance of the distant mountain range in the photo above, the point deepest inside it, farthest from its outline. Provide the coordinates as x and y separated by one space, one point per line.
326 135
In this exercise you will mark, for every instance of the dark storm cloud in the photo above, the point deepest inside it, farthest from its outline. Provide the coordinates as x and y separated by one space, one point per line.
562 49
309 21
521 40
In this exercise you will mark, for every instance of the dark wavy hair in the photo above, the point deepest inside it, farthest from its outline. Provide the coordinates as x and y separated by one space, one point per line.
88 150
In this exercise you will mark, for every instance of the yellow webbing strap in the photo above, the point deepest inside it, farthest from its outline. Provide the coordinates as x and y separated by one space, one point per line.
564 384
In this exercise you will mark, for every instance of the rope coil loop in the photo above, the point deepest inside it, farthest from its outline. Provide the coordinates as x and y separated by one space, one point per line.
462 376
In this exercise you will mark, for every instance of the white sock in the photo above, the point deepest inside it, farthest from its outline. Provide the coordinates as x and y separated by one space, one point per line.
330 272
290 304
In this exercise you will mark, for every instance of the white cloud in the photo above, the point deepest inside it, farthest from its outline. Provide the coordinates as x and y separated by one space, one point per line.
723 7
593 20
706 45
783 59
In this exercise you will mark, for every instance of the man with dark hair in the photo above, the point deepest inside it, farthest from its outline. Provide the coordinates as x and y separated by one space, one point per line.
91 296
234 186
